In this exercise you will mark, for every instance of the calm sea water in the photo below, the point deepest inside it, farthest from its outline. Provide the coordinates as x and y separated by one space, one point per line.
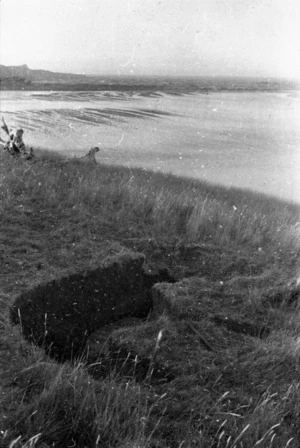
234 137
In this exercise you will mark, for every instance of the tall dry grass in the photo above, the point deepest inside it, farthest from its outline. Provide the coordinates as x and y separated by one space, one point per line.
153 204
46 404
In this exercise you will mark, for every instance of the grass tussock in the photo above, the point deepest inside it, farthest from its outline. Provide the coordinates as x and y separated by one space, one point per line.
59 215
55 405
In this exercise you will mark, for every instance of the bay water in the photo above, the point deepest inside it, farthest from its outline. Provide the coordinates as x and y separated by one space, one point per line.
246 138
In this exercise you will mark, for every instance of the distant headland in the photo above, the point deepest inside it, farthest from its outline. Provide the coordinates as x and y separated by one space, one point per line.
24 74
21 77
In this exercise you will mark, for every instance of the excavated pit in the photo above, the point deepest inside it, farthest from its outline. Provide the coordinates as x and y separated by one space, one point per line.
59 316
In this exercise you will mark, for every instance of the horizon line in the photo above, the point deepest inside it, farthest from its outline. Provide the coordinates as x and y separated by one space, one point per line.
158 75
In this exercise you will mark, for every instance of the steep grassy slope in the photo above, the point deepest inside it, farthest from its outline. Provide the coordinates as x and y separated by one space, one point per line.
240 252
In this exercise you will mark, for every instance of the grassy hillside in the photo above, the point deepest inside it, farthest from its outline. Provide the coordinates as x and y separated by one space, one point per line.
59 216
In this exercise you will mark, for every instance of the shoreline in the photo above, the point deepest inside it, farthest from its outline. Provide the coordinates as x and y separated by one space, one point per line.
254 146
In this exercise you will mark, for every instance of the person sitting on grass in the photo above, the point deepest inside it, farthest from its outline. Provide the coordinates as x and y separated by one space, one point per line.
15 145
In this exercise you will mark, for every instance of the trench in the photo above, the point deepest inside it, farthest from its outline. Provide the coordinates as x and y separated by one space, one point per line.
60 316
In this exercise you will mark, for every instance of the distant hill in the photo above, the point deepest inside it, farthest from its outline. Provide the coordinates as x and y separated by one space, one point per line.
21 77
23 74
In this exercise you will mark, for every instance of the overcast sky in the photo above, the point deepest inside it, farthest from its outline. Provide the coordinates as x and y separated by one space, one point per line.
178 37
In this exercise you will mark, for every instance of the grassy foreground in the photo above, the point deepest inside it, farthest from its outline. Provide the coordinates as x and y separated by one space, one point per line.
58 216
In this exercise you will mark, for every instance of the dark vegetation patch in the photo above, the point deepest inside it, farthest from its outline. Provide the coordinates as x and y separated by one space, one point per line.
61 315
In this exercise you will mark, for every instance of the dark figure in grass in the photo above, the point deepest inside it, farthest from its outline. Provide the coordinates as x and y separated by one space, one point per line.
15 145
